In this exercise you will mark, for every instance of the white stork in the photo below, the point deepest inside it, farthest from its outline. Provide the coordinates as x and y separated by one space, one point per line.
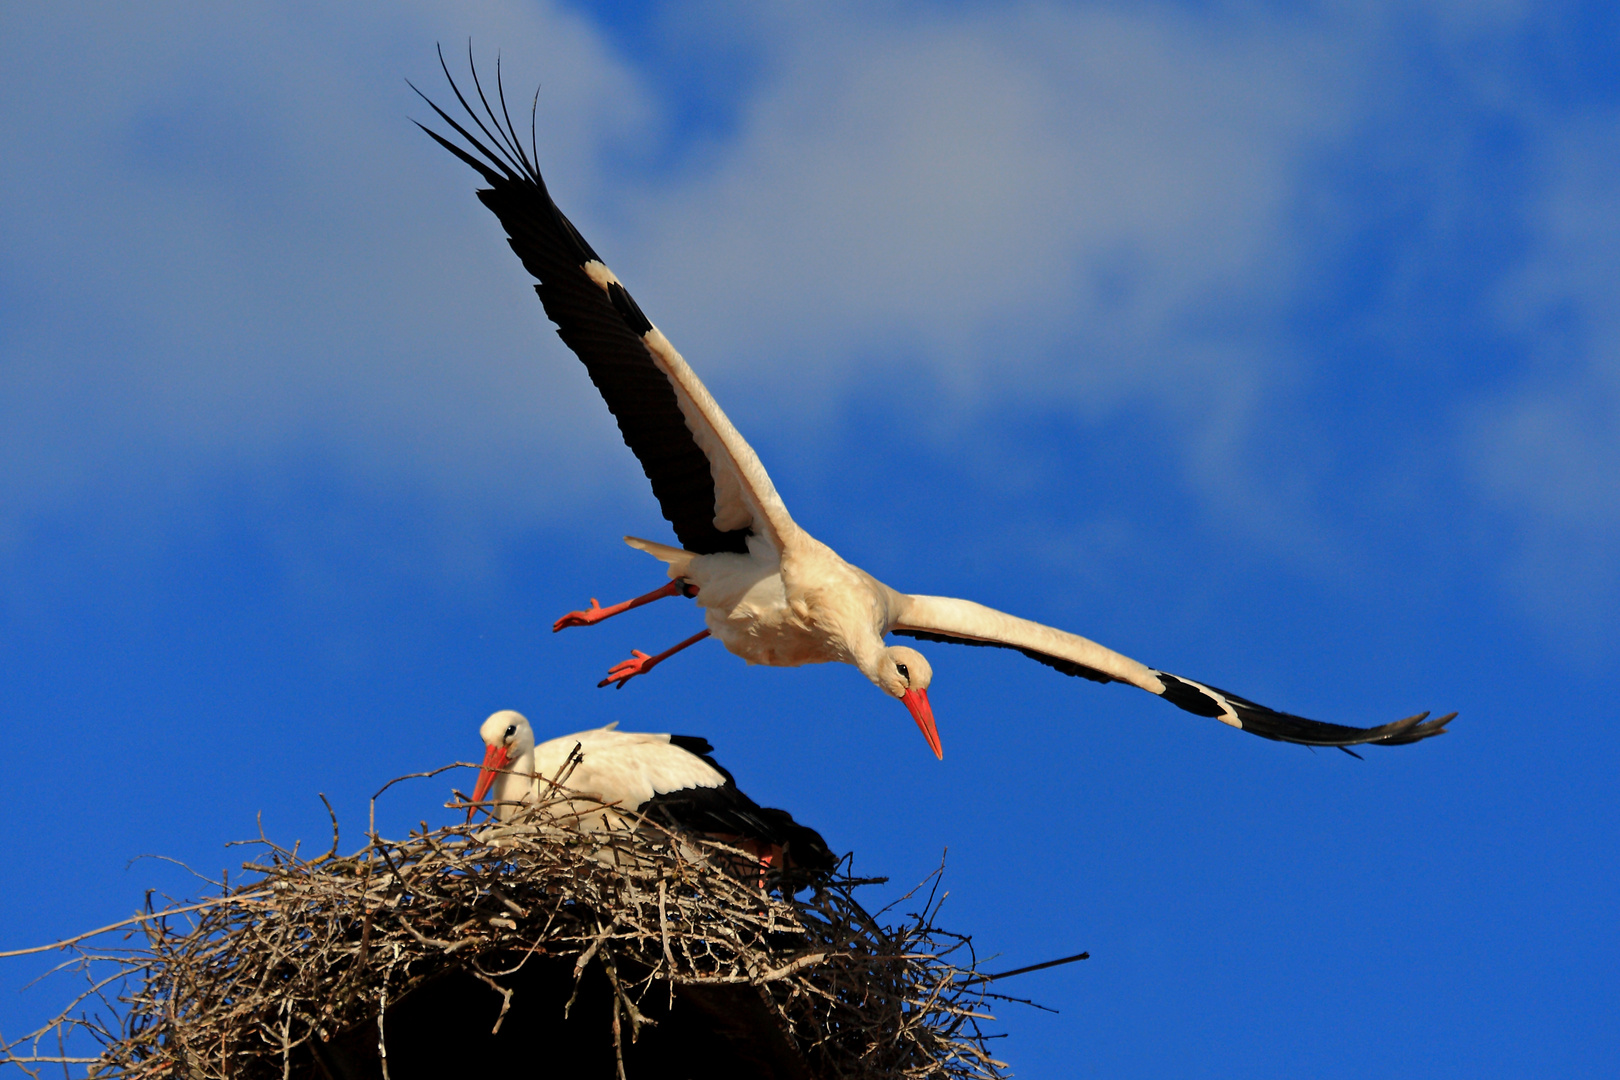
669 778
771 592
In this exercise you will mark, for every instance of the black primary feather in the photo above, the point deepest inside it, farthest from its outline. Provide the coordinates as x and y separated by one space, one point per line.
1286 727
726 811
603 328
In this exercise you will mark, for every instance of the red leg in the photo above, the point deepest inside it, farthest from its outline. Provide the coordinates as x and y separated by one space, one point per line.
597 612
640 663
767 855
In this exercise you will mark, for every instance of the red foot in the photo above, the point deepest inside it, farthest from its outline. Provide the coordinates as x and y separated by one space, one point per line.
625 670
583 618
640 663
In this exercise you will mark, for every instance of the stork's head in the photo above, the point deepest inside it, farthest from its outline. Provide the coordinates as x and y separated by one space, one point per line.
903 673
507 736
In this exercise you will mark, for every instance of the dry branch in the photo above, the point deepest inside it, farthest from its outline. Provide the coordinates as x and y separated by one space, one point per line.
240 984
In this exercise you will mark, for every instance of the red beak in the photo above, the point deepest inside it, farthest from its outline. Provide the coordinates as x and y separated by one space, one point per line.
495 758
923 713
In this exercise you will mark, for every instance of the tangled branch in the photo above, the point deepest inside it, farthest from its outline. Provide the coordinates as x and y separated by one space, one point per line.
241 984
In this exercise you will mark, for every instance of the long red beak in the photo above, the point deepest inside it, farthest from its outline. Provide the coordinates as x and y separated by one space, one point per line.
495 758
923 713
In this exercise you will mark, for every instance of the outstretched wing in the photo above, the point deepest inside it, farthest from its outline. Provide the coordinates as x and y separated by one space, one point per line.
962 622
708 481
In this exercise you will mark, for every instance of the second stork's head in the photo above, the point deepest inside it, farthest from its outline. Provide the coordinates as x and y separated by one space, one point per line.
903 673
508 739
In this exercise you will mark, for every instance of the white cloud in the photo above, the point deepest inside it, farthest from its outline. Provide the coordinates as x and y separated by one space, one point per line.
226 244
1092 201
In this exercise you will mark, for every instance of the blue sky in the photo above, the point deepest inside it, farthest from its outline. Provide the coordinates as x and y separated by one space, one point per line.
1272 344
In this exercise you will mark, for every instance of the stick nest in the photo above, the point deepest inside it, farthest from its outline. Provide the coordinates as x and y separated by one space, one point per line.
245 983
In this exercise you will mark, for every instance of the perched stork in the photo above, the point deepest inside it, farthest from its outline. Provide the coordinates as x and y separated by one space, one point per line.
669 778
771 592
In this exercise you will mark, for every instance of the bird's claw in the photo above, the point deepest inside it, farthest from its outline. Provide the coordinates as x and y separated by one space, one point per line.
581 618
625 670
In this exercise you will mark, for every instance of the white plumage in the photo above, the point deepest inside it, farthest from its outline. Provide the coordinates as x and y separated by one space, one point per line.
623 768
595 778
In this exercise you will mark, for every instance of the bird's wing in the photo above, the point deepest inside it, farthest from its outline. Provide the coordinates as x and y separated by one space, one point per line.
627 767
676 780
962 622
725 810
708 481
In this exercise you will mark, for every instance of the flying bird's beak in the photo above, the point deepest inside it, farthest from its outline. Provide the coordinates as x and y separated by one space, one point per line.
923 713
495 758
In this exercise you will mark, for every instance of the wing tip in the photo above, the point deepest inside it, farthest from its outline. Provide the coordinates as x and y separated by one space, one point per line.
1286 727
1414 729
1204 700
506 159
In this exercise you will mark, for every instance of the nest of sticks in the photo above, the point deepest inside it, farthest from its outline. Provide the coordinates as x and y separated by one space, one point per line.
287 973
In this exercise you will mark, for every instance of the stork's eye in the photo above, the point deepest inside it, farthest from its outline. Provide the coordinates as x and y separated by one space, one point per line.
511 730
904 674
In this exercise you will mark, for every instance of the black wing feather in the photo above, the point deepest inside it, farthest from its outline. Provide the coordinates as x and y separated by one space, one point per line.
1286 727
727 811
1257 719
604 329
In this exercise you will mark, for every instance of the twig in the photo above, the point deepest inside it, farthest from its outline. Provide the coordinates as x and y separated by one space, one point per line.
1026 970
506 997
333 815
136 920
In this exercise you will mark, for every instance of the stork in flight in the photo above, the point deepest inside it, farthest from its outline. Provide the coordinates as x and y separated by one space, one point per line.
771 592
669 778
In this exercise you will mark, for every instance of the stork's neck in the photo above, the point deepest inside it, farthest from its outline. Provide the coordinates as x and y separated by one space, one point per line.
869 650
869 653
